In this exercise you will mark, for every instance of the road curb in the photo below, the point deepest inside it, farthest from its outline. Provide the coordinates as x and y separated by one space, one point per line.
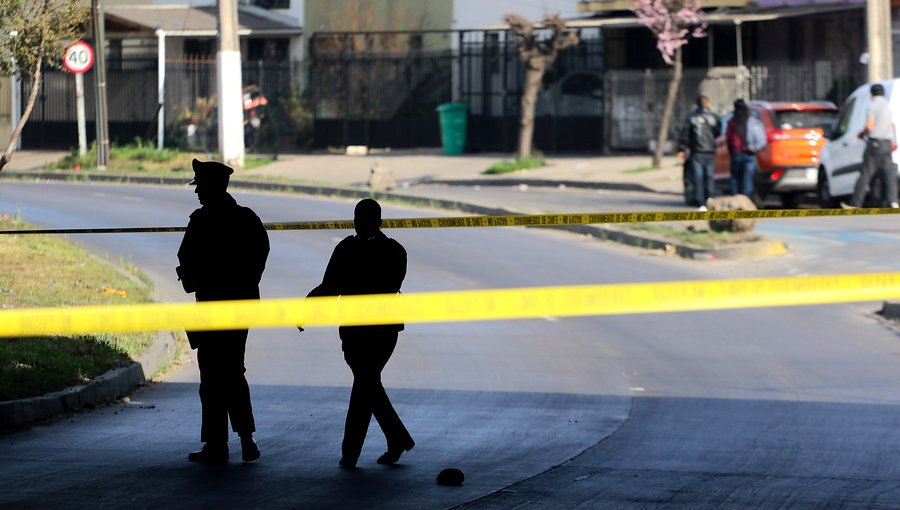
111 386
548 183
729 252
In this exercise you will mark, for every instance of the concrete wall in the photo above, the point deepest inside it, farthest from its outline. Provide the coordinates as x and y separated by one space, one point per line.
376 15
481 13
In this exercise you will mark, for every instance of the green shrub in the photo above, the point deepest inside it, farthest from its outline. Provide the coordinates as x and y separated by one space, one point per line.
506 166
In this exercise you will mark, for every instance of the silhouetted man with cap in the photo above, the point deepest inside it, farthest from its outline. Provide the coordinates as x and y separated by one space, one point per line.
222 256
368 263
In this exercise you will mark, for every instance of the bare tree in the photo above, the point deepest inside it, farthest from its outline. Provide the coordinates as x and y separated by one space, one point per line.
673 22
33 33
537 55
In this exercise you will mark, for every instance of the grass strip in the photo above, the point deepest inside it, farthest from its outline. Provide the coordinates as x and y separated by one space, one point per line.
144 158
507 166
46 271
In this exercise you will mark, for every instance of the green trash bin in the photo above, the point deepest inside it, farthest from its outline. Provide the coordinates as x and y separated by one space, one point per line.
454 117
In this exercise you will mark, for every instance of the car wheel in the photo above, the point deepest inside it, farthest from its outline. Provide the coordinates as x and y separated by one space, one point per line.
823 193
790 200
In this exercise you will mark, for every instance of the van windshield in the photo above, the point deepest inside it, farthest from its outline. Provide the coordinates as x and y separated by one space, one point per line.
812 119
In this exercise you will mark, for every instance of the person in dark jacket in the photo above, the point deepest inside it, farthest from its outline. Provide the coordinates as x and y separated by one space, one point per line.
745 136
222 257
698 137
368 263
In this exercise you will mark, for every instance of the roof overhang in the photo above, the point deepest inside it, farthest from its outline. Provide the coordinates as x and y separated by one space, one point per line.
186 21
717 17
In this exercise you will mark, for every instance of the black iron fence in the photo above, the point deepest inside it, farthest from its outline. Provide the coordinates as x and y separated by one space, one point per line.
133 98
355 91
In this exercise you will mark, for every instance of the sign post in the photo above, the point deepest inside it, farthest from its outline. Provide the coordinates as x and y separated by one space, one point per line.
79 57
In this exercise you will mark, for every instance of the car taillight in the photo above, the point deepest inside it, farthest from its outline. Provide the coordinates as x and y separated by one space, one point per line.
776 174
776 134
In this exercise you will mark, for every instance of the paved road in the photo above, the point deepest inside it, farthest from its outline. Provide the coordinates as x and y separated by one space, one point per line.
817 245
750 408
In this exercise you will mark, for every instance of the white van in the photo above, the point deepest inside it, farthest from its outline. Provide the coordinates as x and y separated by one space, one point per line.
841 159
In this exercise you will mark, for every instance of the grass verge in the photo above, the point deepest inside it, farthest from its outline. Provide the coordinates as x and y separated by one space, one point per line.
640 169
692 235
143 158
505 167
44 271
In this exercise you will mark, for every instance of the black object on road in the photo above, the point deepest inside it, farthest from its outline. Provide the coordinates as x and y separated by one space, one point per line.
450 476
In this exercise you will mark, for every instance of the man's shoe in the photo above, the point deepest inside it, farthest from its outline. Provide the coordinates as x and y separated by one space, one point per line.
393 454
895 205
249 449
845 205
702 208
216 453
347 463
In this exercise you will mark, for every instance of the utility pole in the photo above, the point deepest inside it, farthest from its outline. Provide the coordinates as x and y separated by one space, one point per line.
161 89
229 80
879 39
101 117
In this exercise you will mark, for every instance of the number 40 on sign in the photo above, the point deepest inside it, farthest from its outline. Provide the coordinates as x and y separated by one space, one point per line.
78 58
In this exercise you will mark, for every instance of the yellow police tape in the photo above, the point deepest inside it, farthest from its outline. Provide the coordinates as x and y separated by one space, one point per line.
473 305
516 220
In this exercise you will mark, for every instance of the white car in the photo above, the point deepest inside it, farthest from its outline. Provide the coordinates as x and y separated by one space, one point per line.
841 159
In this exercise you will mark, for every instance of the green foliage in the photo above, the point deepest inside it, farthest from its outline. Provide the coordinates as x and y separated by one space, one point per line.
640 169
142 151
129 156
33 31
44 271
194 128
287 123
503 167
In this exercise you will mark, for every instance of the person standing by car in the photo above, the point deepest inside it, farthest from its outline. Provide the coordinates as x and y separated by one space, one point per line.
745 136
698 137
879 136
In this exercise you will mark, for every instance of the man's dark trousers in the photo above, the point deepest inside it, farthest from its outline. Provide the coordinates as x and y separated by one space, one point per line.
876 158
702 173
366 358
224 391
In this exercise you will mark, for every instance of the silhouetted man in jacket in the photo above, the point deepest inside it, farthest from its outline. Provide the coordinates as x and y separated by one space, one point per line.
368 263
698 137
222 256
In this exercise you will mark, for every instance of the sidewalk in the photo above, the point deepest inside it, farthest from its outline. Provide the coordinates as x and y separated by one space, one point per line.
419 167
411 167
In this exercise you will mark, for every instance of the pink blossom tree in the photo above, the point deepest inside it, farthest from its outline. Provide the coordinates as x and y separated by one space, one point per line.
674 23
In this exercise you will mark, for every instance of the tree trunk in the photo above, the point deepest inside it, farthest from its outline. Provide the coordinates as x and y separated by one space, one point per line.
32 97
533 76
674 83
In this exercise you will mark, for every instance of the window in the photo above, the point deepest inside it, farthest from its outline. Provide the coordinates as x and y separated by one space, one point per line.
271 4
810 119
843 120
267 49
200 47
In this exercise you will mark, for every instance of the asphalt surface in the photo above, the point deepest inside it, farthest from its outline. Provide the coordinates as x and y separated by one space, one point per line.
768 408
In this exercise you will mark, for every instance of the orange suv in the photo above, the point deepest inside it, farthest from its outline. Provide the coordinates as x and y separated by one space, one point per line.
788 166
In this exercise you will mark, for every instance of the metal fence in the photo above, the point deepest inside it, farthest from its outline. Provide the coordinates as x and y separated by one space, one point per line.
132 97
388 97
636 99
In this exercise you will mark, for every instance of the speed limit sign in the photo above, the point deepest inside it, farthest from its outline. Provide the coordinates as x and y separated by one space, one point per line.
79 57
